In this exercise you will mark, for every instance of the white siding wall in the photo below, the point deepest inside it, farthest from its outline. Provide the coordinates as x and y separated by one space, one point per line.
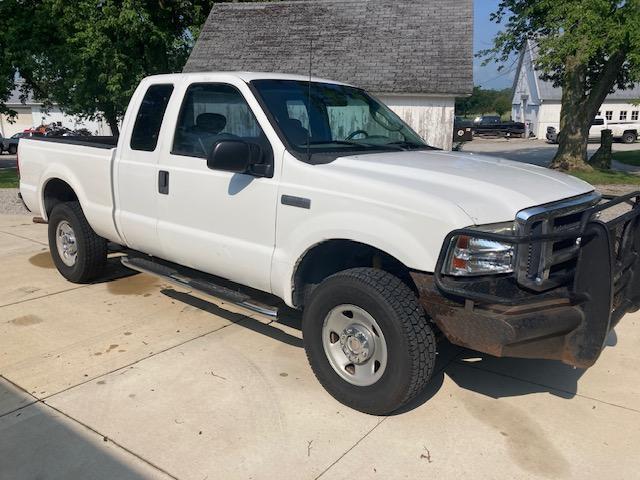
548 116
34 116
21 122
616 107
55 115
431 117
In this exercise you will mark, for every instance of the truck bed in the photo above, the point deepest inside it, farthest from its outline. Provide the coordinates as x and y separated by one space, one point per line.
106 142
83 163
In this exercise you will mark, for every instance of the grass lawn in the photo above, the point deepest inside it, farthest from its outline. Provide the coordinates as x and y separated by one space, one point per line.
630 158
609 177
8 178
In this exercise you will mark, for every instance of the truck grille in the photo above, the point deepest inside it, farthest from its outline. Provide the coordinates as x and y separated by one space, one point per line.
548 264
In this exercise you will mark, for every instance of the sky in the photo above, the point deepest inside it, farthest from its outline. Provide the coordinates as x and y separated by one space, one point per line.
484 31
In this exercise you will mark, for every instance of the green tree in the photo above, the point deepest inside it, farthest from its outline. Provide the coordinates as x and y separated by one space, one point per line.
88 56
587 47
479 102
503 102
485 101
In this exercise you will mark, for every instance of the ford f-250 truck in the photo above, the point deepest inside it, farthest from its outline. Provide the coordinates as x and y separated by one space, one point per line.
238 185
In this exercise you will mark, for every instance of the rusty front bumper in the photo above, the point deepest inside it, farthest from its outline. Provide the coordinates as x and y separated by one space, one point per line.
570 323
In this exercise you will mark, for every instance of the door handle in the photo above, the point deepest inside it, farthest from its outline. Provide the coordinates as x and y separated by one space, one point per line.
163 182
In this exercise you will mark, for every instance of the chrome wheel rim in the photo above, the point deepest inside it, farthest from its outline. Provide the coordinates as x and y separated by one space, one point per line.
66 243
354 345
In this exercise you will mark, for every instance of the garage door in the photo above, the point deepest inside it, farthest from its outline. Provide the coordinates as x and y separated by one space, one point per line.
23 121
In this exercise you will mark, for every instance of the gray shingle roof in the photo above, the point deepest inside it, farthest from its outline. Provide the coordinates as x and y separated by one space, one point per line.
547 91
386 46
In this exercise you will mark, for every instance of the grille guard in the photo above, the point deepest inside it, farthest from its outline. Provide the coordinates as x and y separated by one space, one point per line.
505 289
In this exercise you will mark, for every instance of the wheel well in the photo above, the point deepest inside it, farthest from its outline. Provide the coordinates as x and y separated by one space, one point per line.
333 256
57 191
635 132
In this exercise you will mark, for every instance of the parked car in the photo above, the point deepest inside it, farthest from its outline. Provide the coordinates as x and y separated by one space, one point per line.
493 125
623 132
10 145
262 189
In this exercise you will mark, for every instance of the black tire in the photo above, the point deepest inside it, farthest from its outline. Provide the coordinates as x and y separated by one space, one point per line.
629 137
410 341
13 149
91 249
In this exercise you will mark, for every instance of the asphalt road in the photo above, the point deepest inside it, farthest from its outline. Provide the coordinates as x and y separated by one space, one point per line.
537 152
7 161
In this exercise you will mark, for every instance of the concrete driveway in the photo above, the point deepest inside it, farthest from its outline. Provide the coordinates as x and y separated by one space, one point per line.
537 152
130 379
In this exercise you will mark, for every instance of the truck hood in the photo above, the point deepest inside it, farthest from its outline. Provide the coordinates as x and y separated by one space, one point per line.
487 189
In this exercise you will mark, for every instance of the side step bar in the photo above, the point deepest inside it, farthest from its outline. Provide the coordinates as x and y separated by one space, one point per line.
190 279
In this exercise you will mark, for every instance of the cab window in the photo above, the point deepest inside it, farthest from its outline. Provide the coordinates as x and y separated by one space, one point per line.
149 120
215 112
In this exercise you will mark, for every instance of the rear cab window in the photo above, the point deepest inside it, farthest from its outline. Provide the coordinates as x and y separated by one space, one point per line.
146 129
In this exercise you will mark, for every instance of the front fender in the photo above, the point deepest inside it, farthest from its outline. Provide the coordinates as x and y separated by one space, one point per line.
398 236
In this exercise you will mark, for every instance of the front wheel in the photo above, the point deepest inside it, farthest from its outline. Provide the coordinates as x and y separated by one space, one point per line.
629 137
368 341
79 254
13 149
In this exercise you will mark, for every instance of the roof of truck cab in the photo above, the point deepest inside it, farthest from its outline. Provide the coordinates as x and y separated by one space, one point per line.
245 76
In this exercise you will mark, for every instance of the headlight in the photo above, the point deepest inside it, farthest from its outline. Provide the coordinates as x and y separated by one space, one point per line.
469 256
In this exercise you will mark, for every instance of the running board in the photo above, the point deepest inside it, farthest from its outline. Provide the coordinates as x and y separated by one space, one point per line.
201 283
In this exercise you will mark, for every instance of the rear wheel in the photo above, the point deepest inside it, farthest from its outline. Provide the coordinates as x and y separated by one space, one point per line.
368 341
79 254
629 137
13 149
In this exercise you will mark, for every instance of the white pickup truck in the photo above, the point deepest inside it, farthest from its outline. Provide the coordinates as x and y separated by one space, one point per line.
626 132
313 193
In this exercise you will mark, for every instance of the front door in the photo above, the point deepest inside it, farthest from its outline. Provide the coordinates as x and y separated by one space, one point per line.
218 222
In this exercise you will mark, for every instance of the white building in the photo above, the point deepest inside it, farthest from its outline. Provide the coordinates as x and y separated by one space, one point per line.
539 102
32 114
417 57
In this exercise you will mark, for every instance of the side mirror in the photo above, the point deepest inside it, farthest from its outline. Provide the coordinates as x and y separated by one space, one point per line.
235 156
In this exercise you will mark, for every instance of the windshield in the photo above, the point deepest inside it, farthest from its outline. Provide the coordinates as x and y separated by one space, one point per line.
330 118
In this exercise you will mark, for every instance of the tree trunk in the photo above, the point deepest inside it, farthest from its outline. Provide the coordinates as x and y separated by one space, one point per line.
575 121
579 109
112 121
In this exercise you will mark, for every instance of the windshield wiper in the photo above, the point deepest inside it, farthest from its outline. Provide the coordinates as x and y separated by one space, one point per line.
337 142
368 146
411 146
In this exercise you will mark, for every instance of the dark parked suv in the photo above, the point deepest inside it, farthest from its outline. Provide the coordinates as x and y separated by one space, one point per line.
10 145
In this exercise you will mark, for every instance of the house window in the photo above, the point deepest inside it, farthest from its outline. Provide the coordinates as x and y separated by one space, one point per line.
634 115
599 113
623 115
609 115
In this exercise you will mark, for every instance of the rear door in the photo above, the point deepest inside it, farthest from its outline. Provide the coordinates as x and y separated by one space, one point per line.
218 222
136 169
